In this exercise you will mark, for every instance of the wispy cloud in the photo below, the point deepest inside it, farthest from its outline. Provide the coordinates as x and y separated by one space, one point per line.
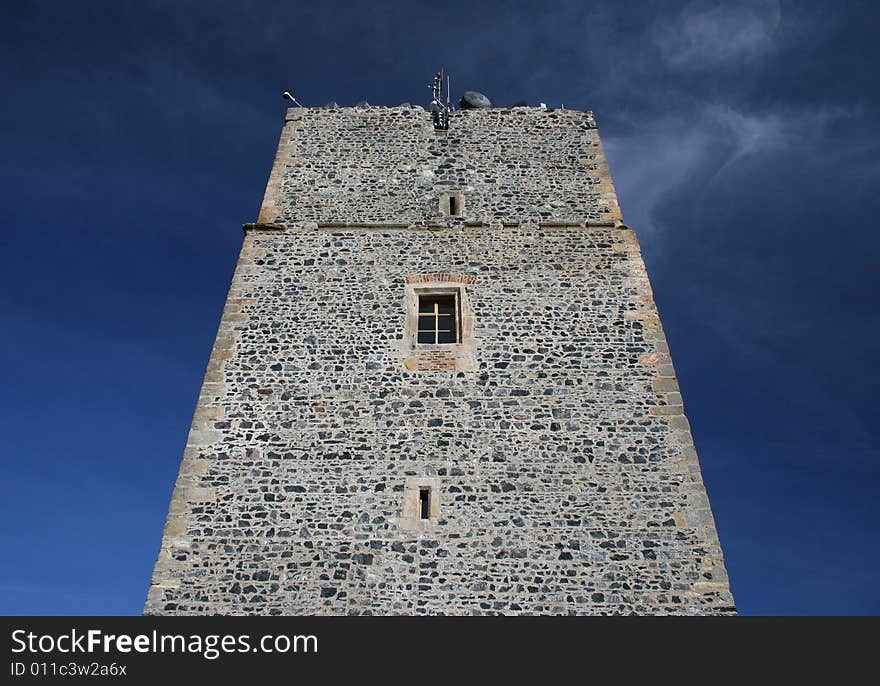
646 166
708 34
698 149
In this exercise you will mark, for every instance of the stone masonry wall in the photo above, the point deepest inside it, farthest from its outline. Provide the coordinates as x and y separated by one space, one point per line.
553 438
388 164
567 477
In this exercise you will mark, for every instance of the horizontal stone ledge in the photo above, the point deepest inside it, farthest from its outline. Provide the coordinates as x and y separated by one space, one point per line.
364 225
262 226
417 226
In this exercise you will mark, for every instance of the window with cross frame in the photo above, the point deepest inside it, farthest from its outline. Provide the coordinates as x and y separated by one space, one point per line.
438 318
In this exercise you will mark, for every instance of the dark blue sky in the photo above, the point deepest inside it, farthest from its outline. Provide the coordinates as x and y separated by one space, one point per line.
137 137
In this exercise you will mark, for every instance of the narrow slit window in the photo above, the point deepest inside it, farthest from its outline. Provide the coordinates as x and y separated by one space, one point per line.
451 204
425 503
438 319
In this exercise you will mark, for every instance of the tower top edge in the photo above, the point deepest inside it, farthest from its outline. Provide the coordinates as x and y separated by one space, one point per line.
294 113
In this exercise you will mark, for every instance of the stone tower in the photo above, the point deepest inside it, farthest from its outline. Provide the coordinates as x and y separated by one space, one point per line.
439 386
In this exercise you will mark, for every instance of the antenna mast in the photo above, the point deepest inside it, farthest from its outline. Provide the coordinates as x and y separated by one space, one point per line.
441 109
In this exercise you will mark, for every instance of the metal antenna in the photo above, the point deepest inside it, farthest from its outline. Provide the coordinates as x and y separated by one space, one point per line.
441 110
287 96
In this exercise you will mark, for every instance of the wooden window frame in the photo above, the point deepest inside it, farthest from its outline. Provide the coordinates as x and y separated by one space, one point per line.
455 294
463 322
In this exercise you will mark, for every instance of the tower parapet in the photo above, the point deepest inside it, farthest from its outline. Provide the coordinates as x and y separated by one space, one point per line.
391 165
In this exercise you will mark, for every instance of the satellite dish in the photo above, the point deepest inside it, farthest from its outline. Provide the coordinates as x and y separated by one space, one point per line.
472 100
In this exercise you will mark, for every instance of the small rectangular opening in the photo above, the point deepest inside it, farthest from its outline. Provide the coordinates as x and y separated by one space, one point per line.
452 206
425 503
